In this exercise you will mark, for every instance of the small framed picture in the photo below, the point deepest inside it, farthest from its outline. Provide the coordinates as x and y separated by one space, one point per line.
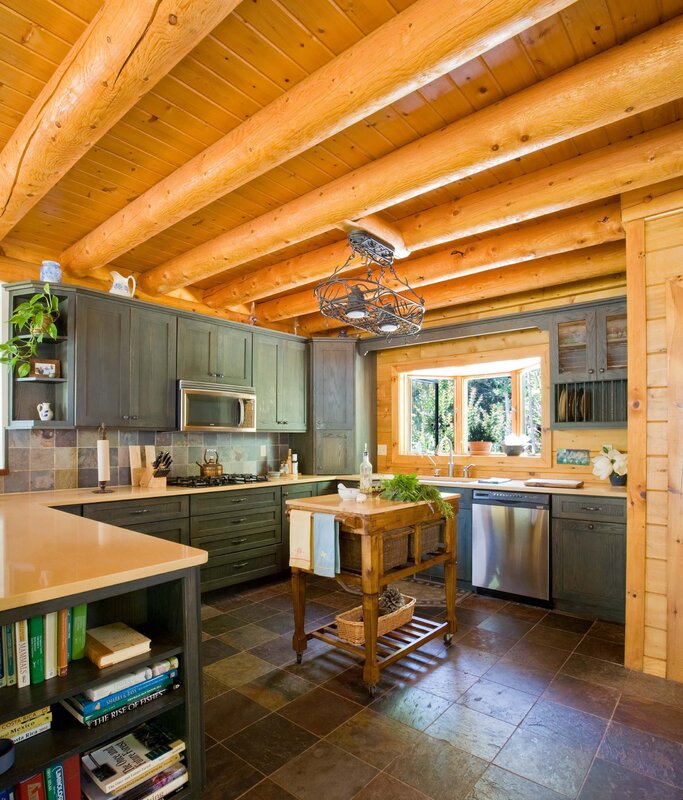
45 368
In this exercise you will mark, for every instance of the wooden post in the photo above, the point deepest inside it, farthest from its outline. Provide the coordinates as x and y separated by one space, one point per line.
299 640
451 541
637 444
371 544
674 549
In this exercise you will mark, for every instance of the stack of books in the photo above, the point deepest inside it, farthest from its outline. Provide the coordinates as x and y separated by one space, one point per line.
37 649
123 693
27 725
60 781
145 764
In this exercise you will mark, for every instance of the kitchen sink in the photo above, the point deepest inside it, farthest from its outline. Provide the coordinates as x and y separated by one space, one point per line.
445 480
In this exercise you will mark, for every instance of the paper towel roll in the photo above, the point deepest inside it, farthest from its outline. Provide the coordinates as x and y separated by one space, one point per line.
102 460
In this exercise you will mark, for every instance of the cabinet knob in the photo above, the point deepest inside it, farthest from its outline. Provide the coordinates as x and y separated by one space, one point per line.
220 375
590 527
602 369
239 500
238 541
284 422
135 416
239 522
591 371
140 511
125 416
212 375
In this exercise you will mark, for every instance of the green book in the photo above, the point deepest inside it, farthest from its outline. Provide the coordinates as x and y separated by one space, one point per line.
54 782
36 649
78 626
10 669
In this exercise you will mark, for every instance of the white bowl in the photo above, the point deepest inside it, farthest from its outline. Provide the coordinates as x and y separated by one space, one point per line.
348 494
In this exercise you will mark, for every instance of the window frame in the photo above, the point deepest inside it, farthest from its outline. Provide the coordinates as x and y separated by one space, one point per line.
400 422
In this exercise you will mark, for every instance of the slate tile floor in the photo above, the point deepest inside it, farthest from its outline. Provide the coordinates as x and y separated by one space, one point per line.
525 705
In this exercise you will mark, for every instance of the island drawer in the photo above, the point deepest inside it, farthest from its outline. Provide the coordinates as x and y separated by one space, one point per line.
126 513
221 502
596 509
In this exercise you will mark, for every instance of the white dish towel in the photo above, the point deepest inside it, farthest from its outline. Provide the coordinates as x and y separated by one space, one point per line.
300 534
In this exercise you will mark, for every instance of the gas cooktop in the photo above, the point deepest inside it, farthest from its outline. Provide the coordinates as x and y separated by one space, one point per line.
197 482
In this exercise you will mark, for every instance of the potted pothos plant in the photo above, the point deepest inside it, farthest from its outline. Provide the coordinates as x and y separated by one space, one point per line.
33 320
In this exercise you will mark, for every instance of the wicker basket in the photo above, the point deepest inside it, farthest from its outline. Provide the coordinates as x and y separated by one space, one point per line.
395 549
350 626
431 539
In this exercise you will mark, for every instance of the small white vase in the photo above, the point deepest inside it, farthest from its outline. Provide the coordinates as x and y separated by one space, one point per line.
45 412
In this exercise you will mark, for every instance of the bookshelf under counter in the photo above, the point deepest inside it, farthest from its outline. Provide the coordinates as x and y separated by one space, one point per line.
162 602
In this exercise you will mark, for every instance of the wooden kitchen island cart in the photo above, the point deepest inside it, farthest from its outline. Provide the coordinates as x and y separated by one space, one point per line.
373 521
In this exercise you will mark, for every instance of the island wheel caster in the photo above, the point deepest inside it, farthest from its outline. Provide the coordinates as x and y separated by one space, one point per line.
373 690
448 638
299 656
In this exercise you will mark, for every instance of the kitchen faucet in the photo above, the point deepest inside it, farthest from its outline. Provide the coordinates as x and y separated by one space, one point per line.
466 470
437 471
451 453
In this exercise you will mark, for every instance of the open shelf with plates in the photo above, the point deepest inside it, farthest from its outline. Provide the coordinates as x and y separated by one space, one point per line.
600 404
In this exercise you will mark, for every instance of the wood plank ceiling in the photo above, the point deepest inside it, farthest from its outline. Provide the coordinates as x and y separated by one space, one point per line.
262 50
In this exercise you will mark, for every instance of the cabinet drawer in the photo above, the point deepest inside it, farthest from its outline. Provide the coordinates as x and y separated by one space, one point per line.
132 512
596 509
238 567
170 530
220 502
305 490
221 542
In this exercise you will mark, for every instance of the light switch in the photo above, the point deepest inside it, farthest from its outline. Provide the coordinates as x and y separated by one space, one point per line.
381 449
264 451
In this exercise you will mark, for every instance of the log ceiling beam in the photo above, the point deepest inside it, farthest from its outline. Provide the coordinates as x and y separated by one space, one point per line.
630 78
386 231
127 48
602 173
545 238
427 40
592 262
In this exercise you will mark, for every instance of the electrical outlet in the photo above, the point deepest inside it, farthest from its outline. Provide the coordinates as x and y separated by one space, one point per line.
264 451
381 449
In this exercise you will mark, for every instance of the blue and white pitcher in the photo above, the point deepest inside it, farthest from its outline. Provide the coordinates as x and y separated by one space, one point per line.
121 285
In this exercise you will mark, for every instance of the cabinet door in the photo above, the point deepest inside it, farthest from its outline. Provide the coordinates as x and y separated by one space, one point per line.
572 345
292 385
233 356
102 362
265 382
589 567
334 453
153 369
171 530
333 385
464 555
196 361
611 342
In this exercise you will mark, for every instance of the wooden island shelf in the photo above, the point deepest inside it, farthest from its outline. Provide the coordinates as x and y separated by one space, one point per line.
372 520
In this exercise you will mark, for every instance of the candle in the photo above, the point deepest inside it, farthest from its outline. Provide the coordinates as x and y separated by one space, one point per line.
102 460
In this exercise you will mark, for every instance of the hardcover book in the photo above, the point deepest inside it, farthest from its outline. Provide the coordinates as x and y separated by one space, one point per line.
126 695
54 782
147 748
62 641
166 781
9 650
127 679
36 649
78 626
72 777
50 629
21 654
110 644
32 788
100 717
15 730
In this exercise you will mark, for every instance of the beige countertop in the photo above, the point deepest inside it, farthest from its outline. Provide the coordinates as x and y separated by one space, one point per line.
592 488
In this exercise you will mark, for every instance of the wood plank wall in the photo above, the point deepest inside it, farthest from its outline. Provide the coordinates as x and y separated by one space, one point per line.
389 362
654 236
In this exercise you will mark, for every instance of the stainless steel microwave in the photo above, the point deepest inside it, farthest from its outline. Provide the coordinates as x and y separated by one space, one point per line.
214 407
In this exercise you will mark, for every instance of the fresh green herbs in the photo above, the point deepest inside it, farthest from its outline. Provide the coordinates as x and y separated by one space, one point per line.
408 489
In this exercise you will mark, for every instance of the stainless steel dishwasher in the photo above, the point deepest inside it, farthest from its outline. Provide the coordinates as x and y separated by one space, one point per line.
511 542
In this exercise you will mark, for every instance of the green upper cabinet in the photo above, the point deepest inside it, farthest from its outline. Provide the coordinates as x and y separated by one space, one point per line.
333 371
589 345
280 382
214 353
125 365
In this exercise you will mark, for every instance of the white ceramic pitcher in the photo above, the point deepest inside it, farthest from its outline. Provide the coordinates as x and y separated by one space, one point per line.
121 285
45 412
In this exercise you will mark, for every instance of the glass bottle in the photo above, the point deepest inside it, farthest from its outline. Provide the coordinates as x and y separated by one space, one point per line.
365 472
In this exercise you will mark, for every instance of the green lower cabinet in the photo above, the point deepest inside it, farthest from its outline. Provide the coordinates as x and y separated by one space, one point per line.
589 568
177 531
464 569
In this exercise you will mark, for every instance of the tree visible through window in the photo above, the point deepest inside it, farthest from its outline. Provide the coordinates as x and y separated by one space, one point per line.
475 407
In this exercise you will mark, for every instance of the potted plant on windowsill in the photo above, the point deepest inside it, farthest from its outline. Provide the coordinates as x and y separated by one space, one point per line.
480 437
34 319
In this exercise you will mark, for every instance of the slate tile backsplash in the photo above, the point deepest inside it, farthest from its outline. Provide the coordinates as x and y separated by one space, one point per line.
42 459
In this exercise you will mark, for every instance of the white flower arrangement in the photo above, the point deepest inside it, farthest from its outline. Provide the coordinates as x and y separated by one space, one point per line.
610 462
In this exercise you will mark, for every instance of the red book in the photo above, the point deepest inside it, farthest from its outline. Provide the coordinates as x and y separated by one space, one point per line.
62 642
32 788
72 777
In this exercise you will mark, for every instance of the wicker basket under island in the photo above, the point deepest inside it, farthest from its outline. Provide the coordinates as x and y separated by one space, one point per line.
381 542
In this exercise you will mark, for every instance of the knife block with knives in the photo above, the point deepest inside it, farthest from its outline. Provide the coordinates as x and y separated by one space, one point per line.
157 467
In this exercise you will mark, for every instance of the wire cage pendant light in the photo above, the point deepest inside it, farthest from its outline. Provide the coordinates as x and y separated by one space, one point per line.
368 303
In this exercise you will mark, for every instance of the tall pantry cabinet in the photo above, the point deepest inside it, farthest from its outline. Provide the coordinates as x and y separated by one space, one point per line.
342 403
